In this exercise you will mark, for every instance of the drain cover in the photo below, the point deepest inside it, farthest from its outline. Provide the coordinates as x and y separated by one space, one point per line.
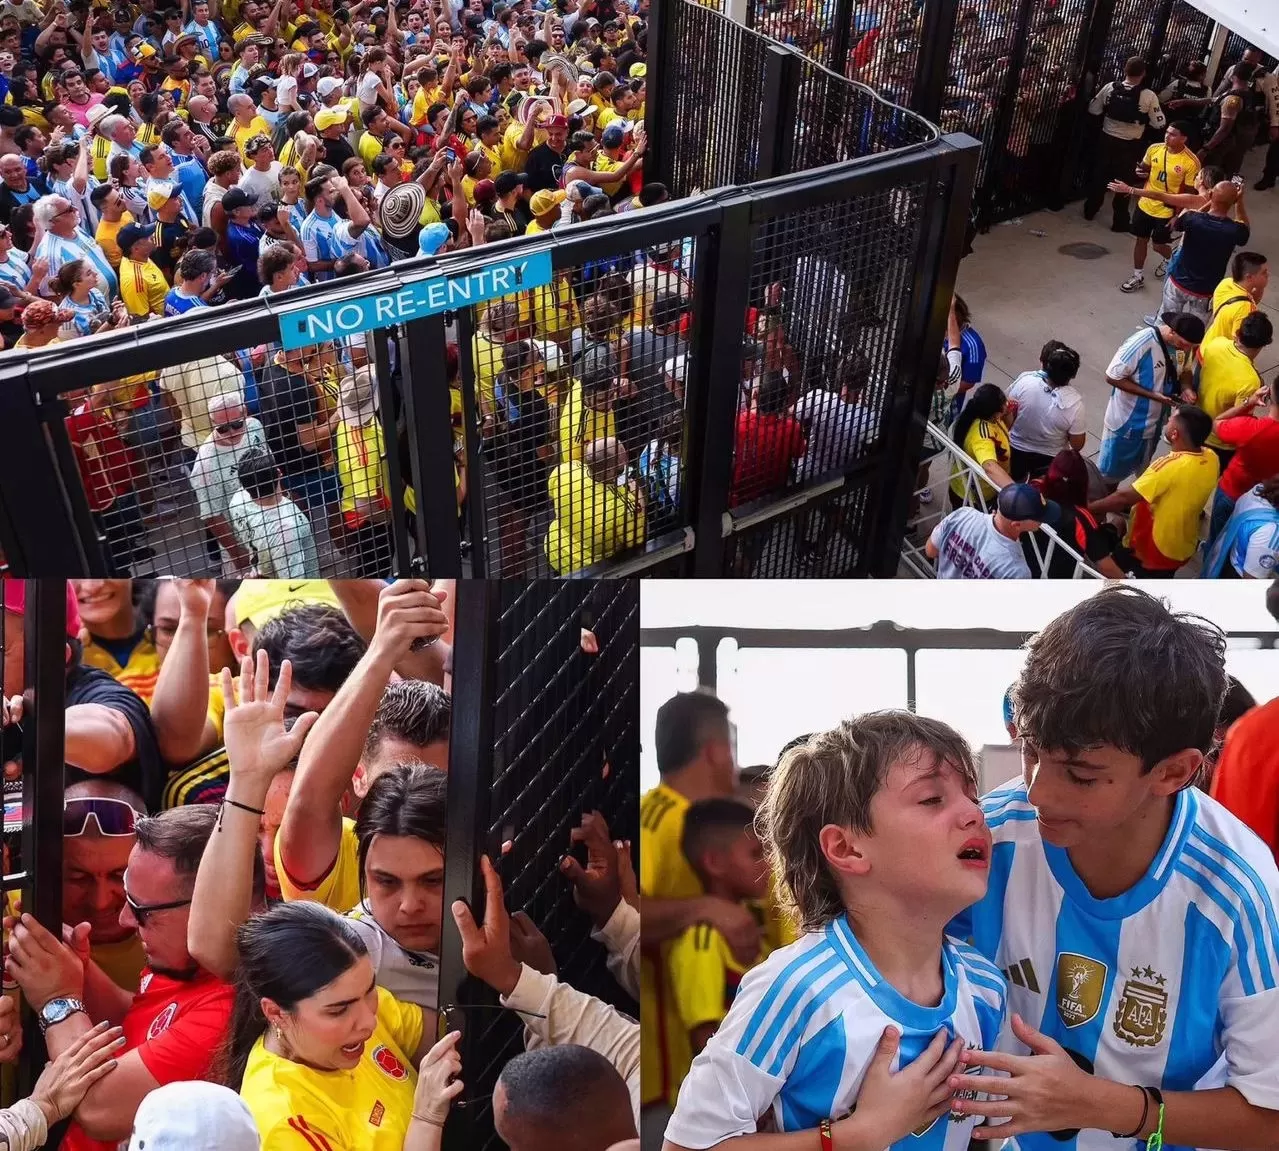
1084 251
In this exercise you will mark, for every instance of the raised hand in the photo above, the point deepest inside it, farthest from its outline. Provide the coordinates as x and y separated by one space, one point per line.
257 744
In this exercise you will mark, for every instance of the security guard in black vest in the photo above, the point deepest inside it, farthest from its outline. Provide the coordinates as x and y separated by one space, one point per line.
1232 119
1127 106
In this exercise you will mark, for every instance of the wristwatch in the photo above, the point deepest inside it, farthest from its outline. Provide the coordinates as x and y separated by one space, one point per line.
56 1010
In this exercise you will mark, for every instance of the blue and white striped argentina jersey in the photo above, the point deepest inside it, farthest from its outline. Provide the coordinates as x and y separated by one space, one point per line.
1172 984
803 1028
1141 358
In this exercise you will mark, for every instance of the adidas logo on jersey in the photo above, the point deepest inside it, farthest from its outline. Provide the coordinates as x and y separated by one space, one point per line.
1022 974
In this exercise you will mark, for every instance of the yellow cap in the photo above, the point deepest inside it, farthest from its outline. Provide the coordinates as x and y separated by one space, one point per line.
260 600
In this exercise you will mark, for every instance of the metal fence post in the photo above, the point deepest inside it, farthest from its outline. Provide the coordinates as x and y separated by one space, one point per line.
723 293
1004 117
777 124
401 561
475 626
843 37
663 16
1158 36
936 266
430 424
41 537
44 629
1220 34
932 66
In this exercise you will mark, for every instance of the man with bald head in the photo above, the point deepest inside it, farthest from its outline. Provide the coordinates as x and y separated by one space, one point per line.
214 477
599 511
565 1098
200 112
98 821
1209 239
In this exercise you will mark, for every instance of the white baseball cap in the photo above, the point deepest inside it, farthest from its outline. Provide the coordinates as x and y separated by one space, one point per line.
327 85
194 1116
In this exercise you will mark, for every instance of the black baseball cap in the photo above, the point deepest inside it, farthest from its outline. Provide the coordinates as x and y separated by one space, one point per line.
1188 326
237 198
1023 502
507 182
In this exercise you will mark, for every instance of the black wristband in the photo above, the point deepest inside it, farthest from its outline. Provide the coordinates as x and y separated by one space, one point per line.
1145 1112
243 806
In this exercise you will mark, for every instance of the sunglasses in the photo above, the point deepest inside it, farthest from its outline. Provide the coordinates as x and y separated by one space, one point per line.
114 817
230 426
143 911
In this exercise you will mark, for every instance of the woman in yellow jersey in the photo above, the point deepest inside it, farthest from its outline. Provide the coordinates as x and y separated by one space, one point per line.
982 432
322 1056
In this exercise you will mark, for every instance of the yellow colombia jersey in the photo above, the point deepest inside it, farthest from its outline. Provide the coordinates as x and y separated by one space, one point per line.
1226 378
204 779
340 889
593 520
300 1109
1172 172
1231 304
664 874
779 927
581 424
138 673
703 975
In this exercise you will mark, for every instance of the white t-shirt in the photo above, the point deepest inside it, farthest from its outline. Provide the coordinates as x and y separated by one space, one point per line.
279 537
836 431
969 547
263 185
367 88
413 976
286 91
1046 416
214 477
213 194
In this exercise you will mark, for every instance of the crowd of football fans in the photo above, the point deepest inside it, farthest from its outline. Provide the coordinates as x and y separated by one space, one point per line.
253 843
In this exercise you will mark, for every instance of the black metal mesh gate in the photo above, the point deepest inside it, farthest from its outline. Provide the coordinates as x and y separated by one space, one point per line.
1186 37
584 426
1015 74
550 731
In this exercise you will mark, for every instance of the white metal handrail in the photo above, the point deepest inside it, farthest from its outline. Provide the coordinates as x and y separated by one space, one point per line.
920 566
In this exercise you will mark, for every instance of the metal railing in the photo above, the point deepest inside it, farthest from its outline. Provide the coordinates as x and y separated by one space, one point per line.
1045 543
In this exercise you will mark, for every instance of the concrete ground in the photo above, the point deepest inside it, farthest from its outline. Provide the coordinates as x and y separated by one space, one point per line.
1023 291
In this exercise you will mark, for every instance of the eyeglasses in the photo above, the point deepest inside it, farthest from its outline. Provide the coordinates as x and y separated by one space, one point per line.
65 211
143 911
450 1009
230 426
113 817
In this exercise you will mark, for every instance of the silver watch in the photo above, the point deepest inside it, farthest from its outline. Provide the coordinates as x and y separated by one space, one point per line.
57 1010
